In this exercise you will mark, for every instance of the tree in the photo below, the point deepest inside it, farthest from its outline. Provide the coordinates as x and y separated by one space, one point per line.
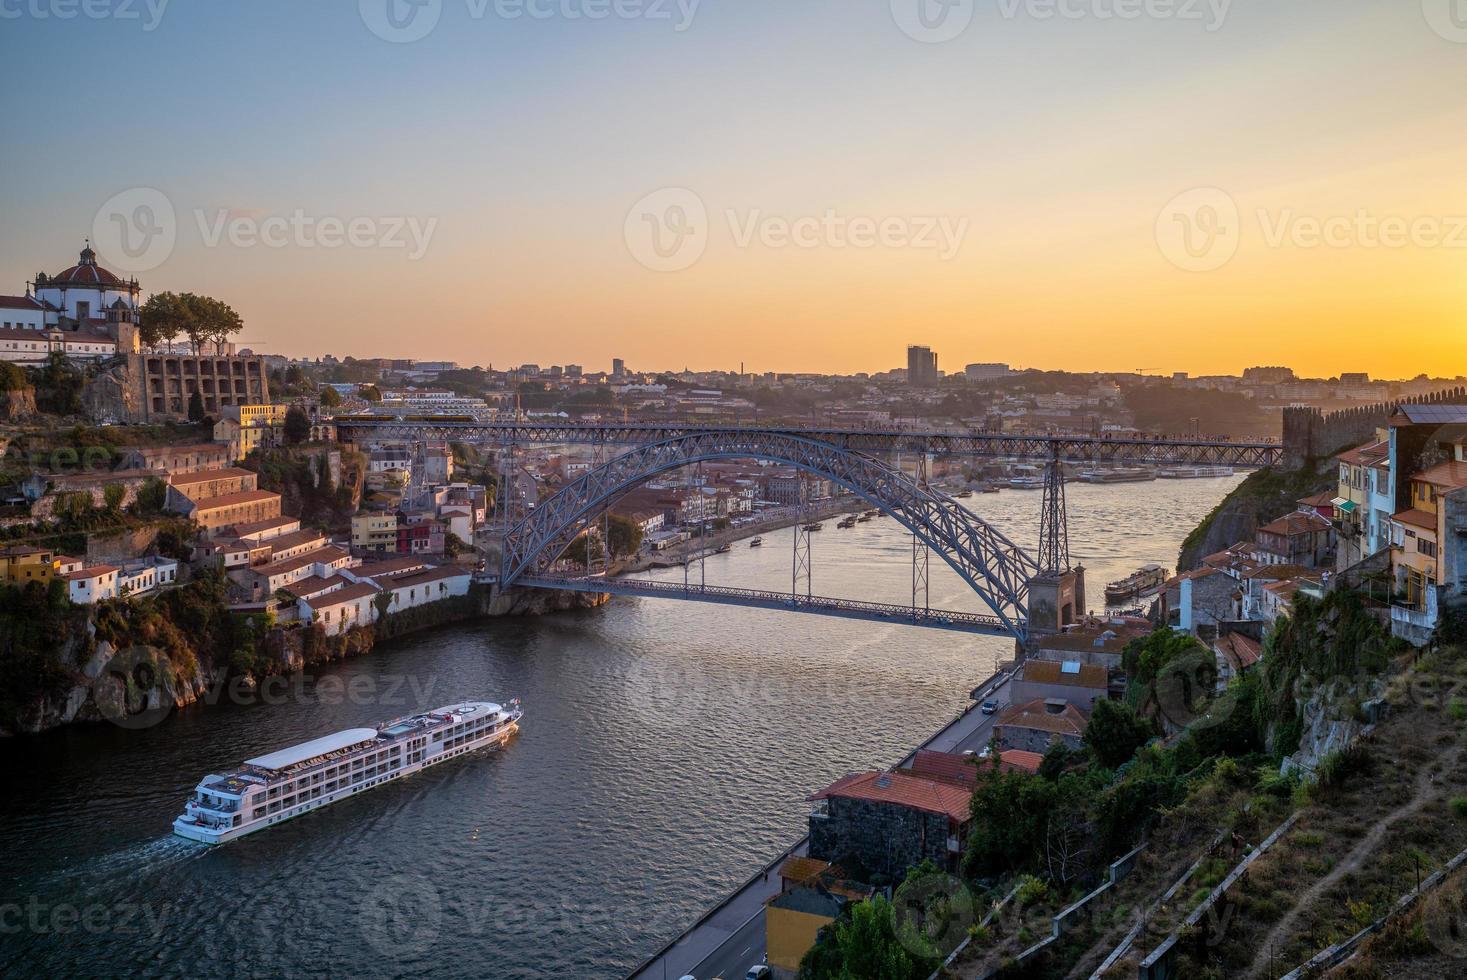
112 496
213 320
152 495
624 534
12 378
330 397
195 406
865 943
1115 733
370 393
164 317
297 426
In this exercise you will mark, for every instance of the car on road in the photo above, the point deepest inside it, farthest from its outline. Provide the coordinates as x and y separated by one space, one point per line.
989 707
760 972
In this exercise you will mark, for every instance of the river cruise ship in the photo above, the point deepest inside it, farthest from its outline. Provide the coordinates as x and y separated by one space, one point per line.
1143 582
266 790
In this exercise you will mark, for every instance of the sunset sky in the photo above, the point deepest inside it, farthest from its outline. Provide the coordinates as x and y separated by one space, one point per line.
524 150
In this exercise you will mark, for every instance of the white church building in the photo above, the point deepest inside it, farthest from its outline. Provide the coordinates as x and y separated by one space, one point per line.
86 312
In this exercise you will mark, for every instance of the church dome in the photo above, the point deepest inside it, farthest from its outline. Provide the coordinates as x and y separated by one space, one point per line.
87 273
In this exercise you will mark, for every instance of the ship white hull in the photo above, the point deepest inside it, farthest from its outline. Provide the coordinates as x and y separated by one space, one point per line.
184 827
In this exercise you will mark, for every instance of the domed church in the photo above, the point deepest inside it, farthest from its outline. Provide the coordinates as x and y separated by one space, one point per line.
85 311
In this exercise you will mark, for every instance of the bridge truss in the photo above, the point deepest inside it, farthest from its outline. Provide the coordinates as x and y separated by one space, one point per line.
992 565
869 440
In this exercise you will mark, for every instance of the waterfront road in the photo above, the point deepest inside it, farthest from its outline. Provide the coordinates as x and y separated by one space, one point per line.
730 938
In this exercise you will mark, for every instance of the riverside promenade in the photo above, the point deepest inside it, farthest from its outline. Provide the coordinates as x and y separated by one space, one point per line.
730 938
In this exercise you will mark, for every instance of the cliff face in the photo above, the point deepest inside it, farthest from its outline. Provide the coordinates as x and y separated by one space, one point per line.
17 405
139 686
1265 496
135 687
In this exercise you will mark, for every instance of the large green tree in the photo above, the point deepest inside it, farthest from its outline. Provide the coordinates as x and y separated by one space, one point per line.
297 425
1115 732
201 319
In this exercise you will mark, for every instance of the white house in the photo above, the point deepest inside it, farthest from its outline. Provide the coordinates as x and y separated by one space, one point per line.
89 585
143 576
341 609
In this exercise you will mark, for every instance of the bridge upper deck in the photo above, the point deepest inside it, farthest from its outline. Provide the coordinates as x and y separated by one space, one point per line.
1080 448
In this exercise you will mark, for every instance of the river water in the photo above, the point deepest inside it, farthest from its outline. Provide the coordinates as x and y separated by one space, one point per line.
666 754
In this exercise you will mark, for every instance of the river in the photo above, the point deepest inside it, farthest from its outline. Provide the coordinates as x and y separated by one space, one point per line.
666 754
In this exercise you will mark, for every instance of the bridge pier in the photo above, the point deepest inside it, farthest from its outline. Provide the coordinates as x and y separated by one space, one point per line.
1056 599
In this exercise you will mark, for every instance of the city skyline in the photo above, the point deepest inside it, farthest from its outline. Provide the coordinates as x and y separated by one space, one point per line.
912 189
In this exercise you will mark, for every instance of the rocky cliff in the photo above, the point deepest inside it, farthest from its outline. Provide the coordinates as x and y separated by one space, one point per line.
1265 496
139 685
17 406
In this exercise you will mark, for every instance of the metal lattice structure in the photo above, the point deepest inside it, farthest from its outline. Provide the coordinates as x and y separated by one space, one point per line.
992 565
1054 533
876 441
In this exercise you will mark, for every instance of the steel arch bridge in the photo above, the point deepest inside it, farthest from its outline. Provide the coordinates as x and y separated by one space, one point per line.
993 566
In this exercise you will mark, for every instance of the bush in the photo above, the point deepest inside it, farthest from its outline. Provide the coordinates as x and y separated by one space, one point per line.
1459 806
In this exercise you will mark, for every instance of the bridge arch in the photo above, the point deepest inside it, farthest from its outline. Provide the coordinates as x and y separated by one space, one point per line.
993 566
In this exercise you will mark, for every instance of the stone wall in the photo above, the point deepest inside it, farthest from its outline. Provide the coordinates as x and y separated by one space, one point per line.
1311 434
887 839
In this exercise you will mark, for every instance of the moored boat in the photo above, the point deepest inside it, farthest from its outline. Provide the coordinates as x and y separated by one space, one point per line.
756 543
1140 583
271 788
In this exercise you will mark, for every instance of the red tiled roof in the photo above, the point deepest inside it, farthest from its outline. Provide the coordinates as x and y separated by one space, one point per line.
96 571
1036 715
1240 650
1449 474
1052 672
945 767
1367 455
20 303
206 476
349 594
1019 759
1417 518
1295 523
232 499
904 790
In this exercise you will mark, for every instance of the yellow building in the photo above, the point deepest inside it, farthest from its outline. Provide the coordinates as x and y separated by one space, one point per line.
812 894
1420 529
246 428
20 565
374 532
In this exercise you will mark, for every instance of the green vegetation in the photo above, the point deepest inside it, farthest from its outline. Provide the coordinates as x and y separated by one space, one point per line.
1265 494
12 378
37 623
201 319
869 941
297 425
1115 733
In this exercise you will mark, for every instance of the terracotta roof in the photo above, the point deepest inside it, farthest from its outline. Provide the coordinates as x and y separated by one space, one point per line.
1036 715
1369 454
424 577
269 524
1417 518
1240 650
1019 759
802 869
1195 574
349 594
1323 499
1052 672
1275 573
293 539
85 272
945 767
314 585
904 790
96 571
206 476
1297 522
20 303
325 555
233 499
1449 474
389 566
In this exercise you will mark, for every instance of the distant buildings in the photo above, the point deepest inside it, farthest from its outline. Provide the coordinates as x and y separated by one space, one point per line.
985 372
921 367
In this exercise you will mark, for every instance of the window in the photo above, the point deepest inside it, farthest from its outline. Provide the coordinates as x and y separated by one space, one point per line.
1427 548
